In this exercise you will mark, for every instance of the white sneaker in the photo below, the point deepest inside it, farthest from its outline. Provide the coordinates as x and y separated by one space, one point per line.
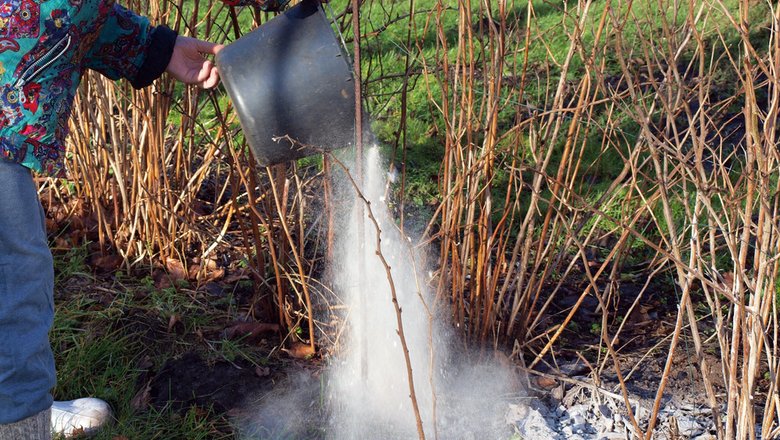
85 415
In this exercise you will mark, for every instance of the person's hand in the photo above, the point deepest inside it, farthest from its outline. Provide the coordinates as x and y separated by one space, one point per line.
189 65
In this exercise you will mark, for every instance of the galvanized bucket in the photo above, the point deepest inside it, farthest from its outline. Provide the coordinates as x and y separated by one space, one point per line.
290 79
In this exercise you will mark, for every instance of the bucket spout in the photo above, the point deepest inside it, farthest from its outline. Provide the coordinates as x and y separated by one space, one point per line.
291 84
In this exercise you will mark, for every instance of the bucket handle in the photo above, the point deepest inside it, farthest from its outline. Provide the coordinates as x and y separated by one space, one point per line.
332 18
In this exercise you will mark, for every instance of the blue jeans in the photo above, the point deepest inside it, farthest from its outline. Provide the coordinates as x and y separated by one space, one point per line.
26 298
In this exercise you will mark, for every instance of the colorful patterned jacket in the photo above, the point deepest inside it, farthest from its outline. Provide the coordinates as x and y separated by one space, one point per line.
45 45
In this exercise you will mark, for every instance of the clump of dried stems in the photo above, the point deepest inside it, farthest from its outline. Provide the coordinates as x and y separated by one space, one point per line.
701 198
638 89
167 178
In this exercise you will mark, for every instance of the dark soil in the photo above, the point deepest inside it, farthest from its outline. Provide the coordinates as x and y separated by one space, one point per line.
190 380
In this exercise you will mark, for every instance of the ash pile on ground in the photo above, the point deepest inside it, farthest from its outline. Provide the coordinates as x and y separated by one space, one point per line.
575 408
571 406
604 421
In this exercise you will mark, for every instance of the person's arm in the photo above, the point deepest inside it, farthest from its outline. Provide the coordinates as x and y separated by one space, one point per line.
129 47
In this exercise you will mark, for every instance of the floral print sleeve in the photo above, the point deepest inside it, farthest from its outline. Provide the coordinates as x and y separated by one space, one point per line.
129 47
45 46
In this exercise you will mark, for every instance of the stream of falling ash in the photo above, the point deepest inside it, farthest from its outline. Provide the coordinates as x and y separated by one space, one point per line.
457 399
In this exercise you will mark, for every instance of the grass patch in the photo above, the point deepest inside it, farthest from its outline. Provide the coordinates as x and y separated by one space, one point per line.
112 333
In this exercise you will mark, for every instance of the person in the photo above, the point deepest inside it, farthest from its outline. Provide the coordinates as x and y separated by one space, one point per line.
45 47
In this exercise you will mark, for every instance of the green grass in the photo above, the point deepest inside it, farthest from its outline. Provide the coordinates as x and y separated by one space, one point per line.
110 333
385 55
72 263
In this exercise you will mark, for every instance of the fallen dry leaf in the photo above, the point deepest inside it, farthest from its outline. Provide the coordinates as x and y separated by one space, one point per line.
107 263
558 392
161 279
52 227
172 321
234 277
206 271
546 383
61 243
250 330
640 316
175 270
142 398
299 350
145 363
212 276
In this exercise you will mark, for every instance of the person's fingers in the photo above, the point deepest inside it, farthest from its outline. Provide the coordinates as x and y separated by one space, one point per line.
212 80
208 47
205 71
190 65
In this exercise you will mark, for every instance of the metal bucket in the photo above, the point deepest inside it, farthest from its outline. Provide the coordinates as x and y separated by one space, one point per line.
291 77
